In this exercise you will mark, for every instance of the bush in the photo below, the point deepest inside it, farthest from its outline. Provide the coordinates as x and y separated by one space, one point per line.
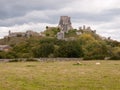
13 60
69 49
31 60
44 50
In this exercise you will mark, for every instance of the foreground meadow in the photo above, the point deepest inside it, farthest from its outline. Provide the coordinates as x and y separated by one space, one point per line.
64 75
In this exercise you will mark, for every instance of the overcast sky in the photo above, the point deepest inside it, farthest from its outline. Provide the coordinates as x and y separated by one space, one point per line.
22 15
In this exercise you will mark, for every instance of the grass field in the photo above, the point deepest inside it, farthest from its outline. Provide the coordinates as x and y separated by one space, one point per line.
64 75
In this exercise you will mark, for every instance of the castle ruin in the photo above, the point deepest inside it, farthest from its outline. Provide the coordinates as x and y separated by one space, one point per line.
28 33
65 24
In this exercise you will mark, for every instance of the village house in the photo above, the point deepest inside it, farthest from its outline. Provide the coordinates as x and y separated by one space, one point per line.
23 34
5 48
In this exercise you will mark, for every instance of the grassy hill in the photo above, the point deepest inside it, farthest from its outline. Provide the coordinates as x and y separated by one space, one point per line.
51 31
87 45
17 40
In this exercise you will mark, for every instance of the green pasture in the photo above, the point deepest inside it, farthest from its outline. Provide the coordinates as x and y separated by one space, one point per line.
60 75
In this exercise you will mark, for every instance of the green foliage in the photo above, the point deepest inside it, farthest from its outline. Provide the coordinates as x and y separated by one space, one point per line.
88 45
51 31
31 60
112 43
47 34
71 33
47 40
44 50
11 55
92 48
116 53
69 49
2 54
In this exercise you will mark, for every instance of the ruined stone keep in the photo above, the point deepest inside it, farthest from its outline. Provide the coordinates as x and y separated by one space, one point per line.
65 23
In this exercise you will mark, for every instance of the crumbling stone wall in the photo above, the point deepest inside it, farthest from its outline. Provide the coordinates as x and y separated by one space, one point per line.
65 23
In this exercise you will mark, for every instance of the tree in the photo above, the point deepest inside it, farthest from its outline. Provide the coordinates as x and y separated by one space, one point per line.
2 54
47 27
44 50
95 50
116 53
69 49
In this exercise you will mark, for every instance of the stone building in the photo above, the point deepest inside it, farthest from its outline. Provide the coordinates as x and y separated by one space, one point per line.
31 33
86 29
16 34
4 48
23 34
65 23
60 35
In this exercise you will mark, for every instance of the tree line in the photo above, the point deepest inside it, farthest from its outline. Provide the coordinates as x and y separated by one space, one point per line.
86 46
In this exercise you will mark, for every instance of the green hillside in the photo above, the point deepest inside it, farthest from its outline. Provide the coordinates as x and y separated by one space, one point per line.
87 45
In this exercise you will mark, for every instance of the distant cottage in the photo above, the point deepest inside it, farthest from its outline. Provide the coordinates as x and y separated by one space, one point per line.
28 33
4 48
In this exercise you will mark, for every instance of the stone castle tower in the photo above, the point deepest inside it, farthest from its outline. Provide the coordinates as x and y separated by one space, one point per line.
65 23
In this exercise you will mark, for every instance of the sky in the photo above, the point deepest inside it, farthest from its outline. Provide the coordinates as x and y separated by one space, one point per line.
21 15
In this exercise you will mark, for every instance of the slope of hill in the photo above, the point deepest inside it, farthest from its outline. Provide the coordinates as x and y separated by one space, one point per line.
76 43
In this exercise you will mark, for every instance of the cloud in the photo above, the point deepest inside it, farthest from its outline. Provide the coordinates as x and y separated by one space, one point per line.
17 8
38 27
20 15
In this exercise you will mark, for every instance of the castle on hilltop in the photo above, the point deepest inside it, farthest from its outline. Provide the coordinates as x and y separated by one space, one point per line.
65 25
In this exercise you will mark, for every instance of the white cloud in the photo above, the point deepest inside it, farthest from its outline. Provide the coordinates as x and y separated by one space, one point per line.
93 6
38 27
39 14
